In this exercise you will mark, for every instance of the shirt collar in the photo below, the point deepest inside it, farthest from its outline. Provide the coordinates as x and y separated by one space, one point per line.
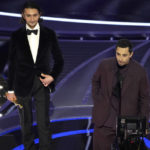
36 27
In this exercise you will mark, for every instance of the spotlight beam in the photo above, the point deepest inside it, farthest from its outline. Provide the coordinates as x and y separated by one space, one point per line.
83 21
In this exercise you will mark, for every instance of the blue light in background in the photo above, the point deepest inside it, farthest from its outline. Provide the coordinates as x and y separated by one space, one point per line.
52 121
58 135
71 119
76 132
147 142
63 134
68 133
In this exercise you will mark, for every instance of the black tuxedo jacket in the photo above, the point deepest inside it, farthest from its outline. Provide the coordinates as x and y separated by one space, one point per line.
22 68
135 93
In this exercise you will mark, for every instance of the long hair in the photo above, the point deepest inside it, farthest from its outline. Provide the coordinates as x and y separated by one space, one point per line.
31 4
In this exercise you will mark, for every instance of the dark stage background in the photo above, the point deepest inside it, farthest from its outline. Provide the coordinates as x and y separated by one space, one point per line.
83 46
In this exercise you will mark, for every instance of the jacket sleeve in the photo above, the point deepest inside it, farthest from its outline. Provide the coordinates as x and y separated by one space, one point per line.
11 63
96 82
57 57
144 96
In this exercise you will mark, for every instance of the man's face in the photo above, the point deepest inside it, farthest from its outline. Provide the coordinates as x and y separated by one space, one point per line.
31 16
123 55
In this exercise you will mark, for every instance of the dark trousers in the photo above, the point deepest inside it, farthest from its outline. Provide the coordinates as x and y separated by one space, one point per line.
41 101
103 138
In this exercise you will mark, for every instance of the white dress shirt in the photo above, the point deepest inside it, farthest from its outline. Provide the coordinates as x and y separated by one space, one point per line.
33 40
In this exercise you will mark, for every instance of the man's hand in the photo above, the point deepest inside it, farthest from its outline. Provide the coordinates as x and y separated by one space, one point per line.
47 79
11 97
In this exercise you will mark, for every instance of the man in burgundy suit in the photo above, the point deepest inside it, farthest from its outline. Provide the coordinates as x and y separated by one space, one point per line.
32 75
119 87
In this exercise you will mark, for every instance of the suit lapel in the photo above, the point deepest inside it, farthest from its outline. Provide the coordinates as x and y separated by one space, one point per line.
111 77
41 43
128 77
25 43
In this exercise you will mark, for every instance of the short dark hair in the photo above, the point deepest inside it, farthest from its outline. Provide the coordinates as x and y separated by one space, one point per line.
123 43
31 4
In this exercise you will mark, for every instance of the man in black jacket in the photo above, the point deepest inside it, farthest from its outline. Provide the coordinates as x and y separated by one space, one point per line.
30 74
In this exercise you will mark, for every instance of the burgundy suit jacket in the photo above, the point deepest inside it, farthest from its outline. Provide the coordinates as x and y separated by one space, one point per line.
135 95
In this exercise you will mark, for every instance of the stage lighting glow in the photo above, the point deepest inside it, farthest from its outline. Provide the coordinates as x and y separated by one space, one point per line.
68 133
1 87
76 132
52 121
71 119
58 135
63 134
9 14
1 115
147 142
84 21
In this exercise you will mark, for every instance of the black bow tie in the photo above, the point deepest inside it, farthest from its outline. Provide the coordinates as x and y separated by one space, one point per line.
32 31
